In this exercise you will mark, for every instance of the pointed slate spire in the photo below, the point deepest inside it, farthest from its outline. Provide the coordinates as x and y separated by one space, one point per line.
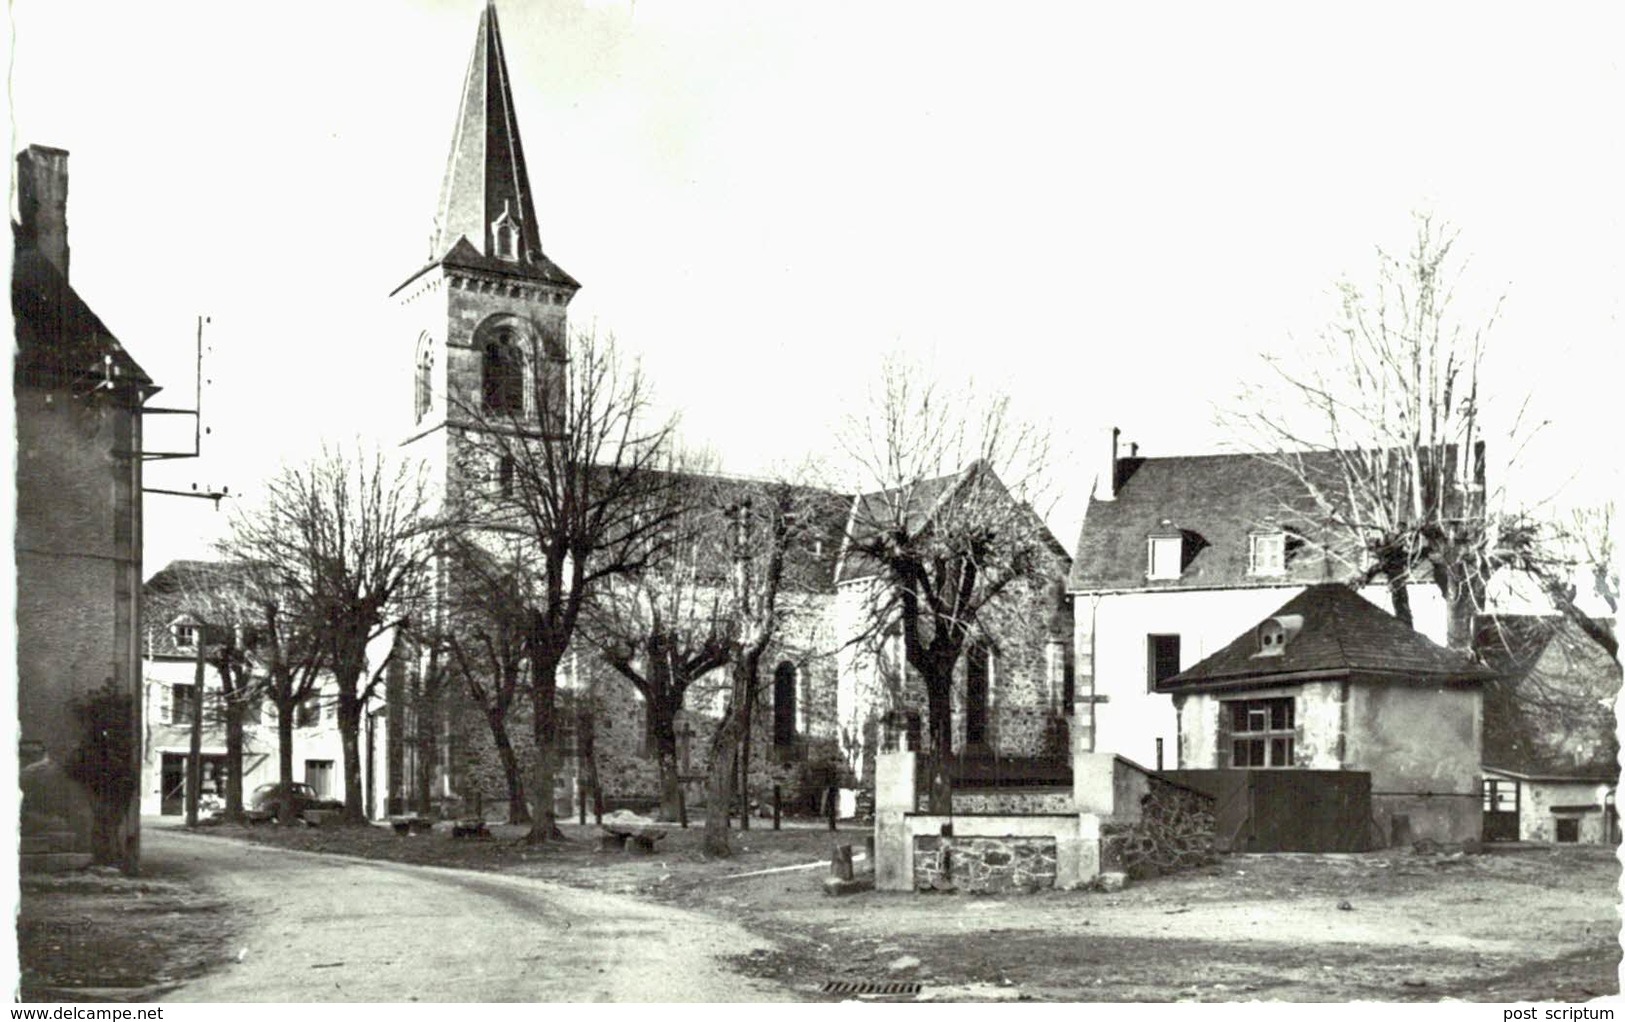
485 178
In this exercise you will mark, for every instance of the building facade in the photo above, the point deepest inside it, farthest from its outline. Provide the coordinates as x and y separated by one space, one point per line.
1331 682
1175 557
79 396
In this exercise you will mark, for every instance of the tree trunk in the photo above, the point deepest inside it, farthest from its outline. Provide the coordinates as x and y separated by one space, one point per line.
511 775
719 783
1399 592
663 725
284 757
350 737
544 728
940 744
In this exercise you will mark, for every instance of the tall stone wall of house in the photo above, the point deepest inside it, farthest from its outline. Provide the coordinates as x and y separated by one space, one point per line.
78 573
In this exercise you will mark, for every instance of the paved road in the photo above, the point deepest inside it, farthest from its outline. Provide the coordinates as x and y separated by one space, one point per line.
324 928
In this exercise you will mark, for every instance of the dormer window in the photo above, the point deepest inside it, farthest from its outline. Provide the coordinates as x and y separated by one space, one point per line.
505 236
1165 557
1267 555
1274 634
185 636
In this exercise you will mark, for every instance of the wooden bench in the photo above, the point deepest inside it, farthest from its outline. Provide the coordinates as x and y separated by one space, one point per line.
411 824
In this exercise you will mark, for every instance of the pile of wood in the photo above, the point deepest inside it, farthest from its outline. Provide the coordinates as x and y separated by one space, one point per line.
1175 832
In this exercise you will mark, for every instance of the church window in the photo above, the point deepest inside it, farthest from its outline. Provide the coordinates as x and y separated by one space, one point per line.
503 375
784 705
425 383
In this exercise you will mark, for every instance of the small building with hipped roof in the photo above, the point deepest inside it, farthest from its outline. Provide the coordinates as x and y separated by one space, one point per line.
1332 682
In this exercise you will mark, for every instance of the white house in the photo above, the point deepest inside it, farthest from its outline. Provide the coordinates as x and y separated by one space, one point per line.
169 673
1176 557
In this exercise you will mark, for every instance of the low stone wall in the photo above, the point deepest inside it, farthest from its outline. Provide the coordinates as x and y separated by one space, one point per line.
984 864
1173 832
1014 801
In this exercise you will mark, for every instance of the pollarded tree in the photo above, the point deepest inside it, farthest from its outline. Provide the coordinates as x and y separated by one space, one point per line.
349 541
664 626
569 488
761 525
1384 428
946 528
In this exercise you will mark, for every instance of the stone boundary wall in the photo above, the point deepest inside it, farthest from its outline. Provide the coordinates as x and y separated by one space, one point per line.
984 865
1174 831
1015 801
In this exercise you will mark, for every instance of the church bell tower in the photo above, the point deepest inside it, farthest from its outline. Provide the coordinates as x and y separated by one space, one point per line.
487 316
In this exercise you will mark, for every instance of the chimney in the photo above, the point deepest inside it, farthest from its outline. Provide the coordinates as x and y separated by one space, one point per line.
42 202
1106 484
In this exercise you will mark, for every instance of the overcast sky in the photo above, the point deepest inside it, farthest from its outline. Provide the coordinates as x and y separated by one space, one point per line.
1108 210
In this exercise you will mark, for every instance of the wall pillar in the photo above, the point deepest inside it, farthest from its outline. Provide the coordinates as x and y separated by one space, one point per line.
894 797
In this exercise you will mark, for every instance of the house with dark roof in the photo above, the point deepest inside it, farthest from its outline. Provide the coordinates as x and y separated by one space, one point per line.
1551 745
79 395
1175 556
1328 681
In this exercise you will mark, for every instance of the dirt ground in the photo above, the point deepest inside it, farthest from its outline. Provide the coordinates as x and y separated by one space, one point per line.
1527 924
96 935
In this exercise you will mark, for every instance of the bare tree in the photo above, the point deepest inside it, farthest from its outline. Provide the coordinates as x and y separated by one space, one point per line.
570 486
349 540
1571 558
941 534
664 626
762 523
290 654
1383 429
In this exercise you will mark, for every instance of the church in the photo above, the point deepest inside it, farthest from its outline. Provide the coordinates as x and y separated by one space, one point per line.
485 325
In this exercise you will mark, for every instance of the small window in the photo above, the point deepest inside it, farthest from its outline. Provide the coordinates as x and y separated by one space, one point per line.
1500 796
505 475
1262 732
1165 556
1568 830
1268 554
309 713
180 703
1161 659
186 636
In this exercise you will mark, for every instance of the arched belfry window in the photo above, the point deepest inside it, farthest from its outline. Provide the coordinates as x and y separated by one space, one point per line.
423 391
502 373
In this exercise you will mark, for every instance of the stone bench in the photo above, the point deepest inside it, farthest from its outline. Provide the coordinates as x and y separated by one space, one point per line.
471 827
411 824
630 832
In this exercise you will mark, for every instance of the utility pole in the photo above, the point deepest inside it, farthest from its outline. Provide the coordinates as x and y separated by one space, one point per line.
194 762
